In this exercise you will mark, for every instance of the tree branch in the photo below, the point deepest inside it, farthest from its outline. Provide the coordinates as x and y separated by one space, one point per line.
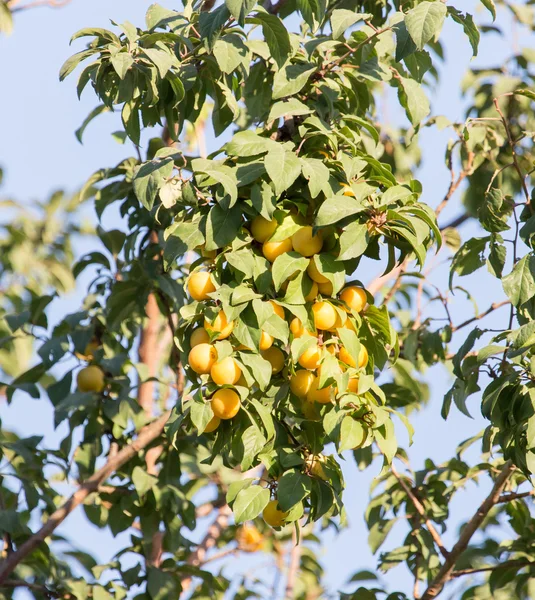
293 567
515 496
491 308
421 511
198 556
524 562
445 572
147 435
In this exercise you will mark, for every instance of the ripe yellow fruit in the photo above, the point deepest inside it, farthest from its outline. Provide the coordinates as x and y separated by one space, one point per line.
305 243
200 285
354 297
220 325
297 328
322 396
202 358
349 325
315 464
301 382
90 379
262 229
340 321
314 274
226 371
199 336
353 385
325 289
347 189
273 249
324 315
213 424
249 538
310 359
272 514
277 308
313 292
225 404
276 358
345 357
266 341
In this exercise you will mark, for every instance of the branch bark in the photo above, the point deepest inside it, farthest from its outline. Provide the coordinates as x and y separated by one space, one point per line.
511 564
421 511
198 556
147 435
293 568
445 572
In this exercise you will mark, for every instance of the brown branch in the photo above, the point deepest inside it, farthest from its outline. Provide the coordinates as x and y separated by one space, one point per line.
455 182
513 151
147 435
523 562
148 354
293 567
490 309
421 511
445 572
515 496
456 222
198 556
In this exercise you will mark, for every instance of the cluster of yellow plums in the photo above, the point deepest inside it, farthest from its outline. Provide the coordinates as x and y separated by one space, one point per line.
304 377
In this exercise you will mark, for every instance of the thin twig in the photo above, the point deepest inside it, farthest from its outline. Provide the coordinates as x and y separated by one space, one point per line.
513 151
455 183
515 496
445 572
421 511
491 308
505 565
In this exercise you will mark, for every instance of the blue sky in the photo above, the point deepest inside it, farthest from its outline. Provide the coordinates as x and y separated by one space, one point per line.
39 153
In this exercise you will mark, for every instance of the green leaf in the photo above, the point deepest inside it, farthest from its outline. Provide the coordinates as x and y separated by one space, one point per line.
293 487
220 173
412 97
519 285
424 22
285 265
249 503
283 167
201 414
404 44
71 63
491 7
121 62
143 481
222 225
386 440
276 36
247 143
230 52
317 174
336 208
332 269
342 19
94 113
211 24
352 434
239 9
149 178
469 27
6 19
259 368
469 257
290 108
354 241
291 79
266 417
161 585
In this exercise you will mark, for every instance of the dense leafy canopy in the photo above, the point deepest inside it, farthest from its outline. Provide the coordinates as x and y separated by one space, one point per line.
226 348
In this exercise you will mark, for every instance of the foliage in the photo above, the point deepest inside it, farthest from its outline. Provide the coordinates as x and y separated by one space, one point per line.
255 248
